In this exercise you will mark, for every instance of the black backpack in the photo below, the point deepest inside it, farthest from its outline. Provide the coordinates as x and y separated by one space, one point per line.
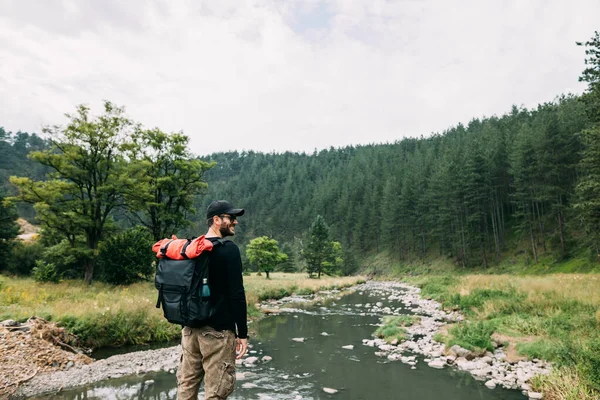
181 284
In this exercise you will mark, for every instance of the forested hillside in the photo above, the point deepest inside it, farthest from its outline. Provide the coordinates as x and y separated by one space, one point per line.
464 193
14 148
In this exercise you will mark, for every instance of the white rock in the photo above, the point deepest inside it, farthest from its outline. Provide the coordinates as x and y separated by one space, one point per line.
348 347
298 339
266 359
490 384
250 360
437 364
330 390
149 382
535 395
324 334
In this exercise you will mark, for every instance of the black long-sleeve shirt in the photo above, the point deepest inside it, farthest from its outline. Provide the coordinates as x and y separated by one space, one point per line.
227 288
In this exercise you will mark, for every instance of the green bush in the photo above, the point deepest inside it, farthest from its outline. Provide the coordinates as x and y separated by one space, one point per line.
45 272
275 293
304 291
119 328
68 259
473 336
24 257
126 257
393 327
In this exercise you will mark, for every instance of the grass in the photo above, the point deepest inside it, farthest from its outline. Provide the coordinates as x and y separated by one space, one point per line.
104 315
554 317
393 327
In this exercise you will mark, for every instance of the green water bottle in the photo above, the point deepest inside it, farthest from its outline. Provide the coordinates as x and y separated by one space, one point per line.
205 291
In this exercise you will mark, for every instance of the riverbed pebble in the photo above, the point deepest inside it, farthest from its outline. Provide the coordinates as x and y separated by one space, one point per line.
330 390
491 384
489 367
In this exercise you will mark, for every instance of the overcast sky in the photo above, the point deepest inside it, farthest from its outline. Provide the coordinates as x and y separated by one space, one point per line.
285 74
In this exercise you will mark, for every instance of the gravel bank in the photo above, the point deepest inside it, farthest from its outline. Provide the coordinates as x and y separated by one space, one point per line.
139 362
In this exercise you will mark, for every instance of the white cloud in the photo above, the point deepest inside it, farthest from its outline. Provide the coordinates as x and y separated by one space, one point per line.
296 75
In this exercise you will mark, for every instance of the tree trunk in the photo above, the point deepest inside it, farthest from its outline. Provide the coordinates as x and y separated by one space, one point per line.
562 235
496 232
532 243
484 254
88 272
463 244
267 274
541 224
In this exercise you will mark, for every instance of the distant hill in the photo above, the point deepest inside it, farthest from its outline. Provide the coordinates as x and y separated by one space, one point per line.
472 194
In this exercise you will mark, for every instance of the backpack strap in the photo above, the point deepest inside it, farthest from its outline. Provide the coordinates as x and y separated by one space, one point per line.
163 250
185 246
218 241
160 295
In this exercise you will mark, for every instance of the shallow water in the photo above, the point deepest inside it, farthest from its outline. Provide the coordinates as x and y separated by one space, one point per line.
302 370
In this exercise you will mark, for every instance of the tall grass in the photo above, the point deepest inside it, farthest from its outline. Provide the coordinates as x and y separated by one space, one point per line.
554 317
393 327
104 315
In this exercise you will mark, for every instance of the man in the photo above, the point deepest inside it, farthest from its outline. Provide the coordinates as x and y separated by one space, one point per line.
209 352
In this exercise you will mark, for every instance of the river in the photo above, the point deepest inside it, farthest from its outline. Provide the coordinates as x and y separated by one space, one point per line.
302 369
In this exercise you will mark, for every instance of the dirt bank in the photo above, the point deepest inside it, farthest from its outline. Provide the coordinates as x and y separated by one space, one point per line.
32 348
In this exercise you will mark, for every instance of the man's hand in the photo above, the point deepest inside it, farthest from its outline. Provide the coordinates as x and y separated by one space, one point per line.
241 348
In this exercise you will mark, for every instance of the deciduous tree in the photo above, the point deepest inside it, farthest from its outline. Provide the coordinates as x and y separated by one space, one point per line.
170 179
264 253
89 177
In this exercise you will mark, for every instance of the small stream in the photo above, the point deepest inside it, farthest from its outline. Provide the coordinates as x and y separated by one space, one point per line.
301 370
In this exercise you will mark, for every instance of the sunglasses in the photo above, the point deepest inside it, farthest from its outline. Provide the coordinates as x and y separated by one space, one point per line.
231 217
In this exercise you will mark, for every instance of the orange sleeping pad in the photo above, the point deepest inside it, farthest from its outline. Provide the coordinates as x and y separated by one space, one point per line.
181 249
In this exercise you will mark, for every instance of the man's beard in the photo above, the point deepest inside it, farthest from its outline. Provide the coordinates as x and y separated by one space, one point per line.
226 231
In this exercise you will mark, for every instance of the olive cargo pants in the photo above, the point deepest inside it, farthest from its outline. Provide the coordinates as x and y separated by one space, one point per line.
210 355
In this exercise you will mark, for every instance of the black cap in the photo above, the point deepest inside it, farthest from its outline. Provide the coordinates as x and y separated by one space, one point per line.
222 207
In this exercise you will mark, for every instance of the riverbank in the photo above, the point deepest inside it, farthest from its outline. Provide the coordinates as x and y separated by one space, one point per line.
148 361
550 317
388 298
103 315
416 333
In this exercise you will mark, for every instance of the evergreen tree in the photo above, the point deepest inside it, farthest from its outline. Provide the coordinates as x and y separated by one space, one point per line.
8 231
317 251
588 187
